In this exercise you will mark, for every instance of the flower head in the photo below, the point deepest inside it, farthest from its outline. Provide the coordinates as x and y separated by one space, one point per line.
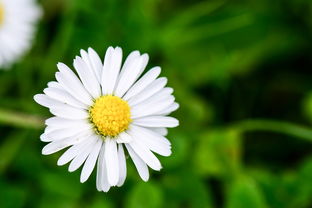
17 19
110 115
105 111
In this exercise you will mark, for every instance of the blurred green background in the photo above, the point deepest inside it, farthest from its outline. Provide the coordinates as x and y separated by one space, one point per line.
241 71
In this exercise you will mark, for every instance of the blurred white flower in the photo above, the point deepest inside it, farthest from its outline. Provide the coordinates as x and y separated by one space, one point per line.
17 26
105 108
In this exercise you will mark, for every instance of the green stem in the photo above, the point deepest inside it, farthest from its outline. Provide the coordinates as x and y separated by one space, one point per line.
22 120
275 126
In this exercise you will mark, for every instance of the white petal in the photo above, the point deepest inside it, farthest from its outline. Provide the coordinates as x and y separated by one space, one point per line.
69 112
122 165
106 68
85 57
68 132
54 84
70 82
87 77
64 97
73 151
146 109
111 159
49 129
160 96
91 161
96 63
146 155
63 122
154 145
60 109
139 164
111 68
143 82
48 136
123 138
131 57
156 121
44 138
161 131
150 90
170 109
150 134
129 75
56 146
144 64
99 168
46 101
101 177
82 156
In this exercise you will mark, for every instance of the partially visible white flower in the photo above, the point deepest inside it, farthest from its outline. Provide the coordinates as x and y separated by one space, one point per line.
106 110
17 27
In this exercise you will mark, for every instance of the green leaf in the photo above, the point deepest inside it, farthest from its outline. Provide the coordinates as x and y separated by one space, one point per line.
10 147
145 195
295 186
52 201
63 185
244 193
307 106
100 202
304 185
218 152
193 13
12 195
184 188
180 148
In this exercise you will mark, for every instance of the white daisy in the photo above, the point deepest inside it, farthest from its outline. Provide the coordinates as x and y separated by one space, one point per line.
105 108
17 19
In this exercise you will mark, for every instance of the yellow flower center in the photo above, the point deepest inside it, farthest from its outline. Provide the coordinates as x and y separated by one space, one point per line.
110 115
1 13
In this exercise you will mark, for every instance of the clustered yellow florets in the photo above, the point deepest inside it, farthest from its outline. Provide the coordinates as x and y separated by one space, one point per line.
1 13
110 115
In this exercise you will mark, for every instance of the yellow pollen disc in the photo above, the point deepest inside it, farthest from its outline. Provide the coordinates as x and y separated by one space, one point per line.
1 13
110 115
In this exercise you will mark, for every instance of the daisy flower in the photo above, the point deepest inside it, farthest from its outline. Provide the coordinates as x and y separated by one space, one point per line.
17 19
106 111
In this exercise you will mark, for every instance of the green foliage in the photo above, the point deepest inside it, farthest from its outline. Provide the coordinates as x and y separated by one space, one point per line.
241 72
145 195
245 193
218 153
